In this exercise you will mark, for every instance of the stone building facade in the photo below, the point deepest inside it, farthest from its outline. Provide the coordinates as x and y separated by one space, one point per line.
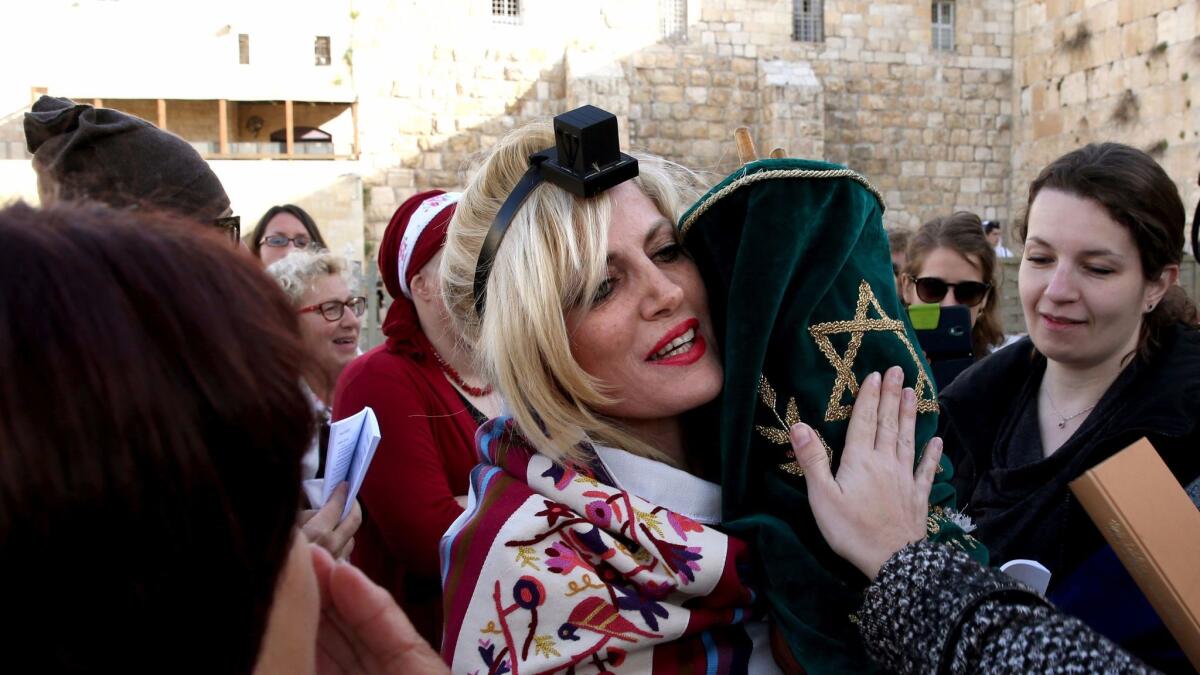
939 116
1089 70
932 129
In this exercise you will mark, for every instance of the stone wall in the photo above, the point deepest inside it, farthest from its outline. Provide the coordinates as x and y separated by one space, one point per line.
931 129
1101 70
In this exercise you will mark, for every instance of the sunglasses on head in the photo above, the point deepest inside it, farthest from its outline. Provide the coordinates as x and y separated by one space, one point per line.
333 310
280 240
231 226
933 290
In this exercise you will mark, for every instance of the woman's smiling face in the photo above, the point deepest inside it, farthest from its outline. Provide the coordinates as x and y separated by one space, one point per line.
1081 281
647 337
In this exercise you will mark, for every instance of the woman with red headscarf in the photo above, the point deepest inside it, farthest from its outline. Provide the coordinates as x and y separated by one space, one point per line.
429 401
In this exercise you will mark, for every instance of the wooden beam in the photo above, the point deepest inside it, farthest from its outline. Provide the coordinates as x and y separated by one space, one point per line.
745 145
162 114
288 122
223 126
354 121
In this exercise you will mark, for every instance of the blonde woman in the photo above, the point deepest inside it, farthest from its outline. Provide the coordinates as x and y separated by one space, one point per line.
588 541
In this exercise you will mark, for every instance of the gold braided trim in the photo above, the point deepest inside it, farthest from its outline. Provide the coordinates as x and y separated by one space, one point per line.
769 175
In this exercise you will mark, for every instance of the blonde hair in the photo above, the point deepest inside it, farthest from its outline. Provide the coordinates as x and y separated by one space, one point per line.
298 271
552 260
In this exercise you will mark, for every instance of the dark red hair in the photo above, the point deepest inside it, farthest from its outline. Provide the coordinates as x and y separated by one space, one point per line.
151 429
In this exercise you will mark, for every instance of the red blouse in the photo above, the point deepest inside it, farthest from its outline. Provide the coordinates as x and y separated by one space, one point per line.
424 459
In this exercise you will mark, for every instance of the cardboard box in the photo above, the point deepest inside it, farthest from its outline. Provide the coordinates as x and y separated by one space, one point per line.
1154 528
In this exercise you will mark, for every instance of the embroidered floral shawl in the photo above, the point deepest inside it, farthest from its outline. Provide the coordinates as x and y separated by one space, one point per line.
552 569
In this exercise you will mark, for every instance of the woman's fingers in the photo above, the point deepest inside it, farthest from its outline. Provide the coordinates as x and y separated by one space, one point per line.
380 631
906 441
810 455
860 435
928 469
888 413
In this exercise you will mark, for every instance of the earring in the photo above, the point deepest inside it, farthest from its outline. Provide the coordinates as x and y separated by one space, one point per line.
1150 307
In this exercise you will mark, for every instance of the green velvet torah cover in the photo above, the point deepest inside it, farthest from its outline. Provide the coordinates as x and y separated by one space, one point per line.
800 286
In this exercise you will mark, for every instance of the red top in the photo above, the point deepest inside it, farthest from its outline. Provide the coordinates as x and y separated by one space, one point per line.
424 459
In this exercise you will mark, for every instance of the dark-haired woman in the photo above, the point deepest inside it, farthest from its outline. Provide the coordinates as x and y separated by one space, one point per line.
284 229
1112 355
150 463
950 262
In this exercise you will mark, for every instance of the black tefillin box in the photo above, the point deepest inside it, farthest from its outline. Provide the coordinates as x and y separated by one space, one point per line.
586 158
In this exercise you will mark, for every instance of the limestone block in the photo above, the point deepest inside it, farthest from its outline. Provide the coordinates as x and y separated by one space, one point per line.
743 66
1166 25
948 169
1138 37
668 94
400 178
1047 124
719 96
1138 73
1074 88
723 78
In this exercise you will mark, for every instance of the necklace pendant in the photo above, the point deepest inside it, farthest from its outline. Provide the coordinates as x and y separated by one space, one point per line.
1062 424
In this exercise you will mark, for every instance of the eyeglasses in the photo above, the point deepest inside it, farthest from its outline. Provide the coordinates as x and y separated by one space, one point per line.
333 310
933 289
279 241
231 225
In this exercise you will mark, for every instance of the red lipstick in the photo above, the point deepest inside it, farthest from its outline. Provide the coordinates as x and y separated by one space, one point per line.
693 354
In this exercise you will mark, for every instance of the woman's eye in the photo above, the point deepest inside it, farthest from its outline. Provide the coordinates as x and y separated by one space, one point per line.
1099 271
1037 259
603 291
668 253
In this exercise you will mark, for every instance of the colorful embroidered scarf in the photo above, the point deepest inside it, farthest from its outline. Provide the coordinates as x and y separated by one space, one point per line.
552 569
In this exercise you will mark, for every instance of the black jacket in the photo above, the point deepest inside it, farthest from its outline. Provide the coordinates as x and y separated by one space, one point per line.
1028 511
934 610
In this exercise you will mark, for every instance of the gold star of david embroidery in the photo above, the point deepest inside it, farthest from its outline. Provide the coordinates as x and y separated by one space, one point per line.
843 364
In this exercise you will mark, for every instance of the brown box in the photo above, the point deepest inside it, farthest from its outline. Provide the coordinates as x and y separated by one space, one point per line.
1154 528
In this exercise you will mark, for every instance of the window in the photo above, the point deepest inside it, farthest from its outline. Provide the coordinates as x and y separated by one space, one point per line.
321 50
243 48
808 20
506 11
943 25
672 20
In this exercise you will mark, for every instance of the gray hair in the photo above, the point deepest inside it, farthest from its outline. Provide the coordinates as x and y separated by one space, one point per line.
297 272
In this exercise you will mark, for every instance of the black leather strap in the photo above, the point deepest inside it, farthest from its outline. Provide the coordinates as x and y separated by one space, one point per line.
495 235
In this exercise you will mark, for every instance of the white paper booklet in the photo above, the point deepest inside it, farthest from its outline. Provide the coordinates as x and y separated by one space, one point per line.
1029 572
352 443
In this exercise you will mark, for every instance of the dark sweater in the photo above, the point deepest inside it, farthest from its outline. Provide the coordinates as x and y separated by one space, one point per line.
1021 501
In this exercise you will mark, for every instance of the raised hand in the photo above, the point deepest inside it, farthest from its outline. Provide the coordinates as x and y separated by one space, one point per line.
875 505
321 527
362 630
